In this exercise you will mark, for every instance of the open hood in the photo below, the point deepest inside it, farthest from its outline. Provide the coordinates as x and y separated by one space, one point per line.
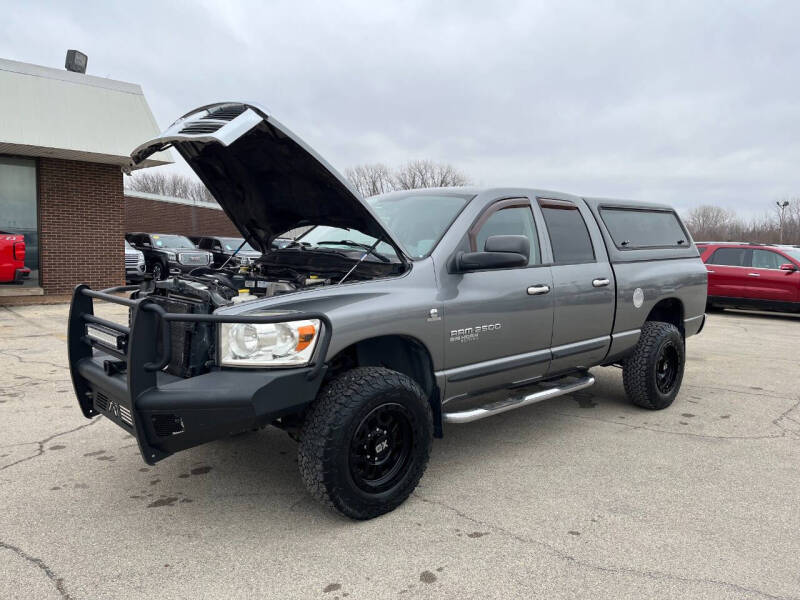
265 178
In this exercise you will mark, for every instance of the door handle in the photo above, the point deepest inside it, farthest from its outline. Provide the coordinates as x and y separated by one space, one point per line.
602 282
710 270
536 290
754 274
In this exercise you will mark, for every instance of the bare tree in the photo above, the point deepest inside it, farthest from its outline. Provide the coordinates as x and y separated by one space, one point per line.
426 173
710 222
169 184
714 223
371 180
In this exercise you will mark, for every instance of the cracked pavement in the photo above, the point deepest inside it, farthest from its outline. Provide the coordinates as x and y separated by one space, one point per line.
580 496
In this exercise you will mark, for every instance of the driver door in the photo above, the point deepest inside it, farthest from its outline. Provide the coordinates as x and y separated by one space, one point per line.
498 322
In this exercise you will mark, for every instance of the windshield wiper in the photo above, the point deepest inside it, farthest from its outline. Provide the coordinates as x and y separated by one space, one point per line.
367 247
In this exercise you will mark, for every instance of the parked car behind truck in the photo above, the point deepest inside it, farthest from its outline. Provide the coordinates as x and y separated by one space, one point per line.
228 251
754 276
168 253
401 313
12 258
134 264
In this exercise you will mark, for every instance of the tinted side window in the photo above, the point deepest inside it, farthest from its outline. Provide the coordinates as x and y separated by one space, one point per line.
732 257
569 236
511 221
204 243
635 228
766 259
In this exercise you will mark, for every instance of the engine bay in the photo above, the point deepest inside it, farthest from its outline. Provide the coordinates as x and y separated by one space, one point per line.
275 273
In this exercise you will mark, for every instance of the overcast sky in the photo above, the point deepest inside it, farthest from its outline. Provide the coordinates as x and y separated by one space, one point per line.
681 102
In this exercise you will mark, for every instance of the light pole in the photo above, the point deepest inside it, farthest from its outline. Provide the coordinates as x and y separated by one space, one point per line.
782 204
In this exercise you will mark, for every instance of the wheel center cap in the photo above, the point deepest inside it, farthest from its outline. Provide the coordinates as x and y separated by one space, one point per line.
381 446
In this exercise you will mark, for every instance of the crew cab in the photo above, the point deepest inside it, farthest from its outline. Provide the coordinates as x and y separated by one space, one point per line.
12 258
754 276
168 253
390 319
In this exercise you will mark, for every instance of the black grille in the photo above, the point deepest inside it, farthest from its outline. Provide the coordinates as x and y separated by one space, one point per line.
226 113
100 401
199 127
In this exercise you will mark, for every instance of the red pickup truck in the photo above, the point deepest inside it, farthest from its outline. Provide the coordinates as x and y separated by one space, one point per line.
745 275
12 258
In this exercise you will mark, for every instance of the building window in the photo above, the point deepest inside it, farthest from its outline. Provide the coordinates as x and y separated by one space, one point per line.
18 213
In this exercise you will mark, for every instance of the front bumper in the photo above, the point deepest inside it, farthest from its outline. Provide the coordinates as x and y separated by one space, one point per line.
120 375
134 274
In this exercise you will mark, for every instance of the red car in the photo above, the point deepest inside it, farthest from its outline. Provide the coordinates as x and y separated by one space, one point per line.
12 258
743 275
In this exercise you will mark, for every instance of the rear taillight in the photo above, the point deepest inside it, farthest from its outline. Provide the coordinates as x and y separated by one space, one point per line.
19 250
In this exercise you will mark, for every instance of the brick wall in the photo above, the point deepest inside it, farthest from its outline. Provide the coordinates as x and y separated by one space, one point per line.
81 225
144 214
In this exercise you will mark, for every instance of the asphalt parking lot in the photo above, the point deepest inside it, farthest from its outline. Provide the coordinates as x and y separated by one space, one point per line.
581 496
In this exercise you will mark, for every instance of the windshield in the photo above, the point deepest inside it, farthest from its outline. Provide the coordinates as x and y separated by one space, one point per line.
416 220
172 241
234 243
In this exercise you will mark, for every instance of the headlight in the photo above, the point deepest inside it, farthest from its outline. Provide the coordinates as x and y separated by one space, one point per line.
171 255
268 344
140 259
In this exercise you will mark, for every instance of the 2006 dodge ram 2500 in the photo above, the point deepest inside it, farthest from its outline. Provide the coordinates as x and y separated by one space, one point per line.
390 317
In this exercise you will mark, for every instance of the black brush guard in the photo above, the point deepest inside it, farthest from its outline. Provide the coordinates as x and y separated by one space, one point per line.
125 380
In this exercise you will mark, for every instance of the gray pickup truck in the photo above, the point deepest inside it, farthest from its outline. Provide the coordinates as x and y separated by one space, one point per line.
388 318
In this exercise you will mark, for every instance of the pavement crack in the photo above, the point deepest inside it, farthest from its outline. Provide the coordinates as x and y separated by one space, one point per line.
40 443
785 416
28 361
569 558
58 582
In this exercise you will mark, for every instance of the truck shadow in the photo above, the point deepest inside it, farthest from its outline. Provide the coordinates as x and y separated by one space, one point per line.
755 314
259 469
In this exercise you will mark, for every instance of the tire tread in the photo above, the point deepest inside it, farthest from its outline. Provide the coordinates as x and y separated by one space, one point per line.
635 373
338 402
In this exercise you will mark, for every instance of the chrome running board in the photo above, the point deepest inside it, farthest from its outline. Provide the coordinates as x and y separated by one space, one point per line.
559 388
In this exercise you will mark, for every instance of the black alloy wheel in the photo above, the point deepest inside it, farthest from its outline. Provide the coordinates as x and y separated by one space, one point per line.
667 367
381 448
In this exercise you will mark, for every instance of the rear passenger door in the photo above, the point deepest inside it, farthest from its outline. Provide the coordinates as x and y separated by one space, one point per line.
727 272
583 286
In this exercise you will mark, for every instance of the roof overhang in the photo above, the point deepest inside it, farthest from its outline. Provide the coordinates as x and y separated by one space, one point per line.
72 116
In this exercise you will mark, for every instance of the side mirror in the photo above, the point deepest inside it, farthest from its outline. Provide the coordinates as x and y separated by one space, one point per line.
499 252
788 267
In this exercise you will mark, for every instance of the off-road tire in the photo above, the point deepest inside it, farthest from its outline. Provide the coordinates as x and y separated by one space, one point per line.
639 372
334 420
